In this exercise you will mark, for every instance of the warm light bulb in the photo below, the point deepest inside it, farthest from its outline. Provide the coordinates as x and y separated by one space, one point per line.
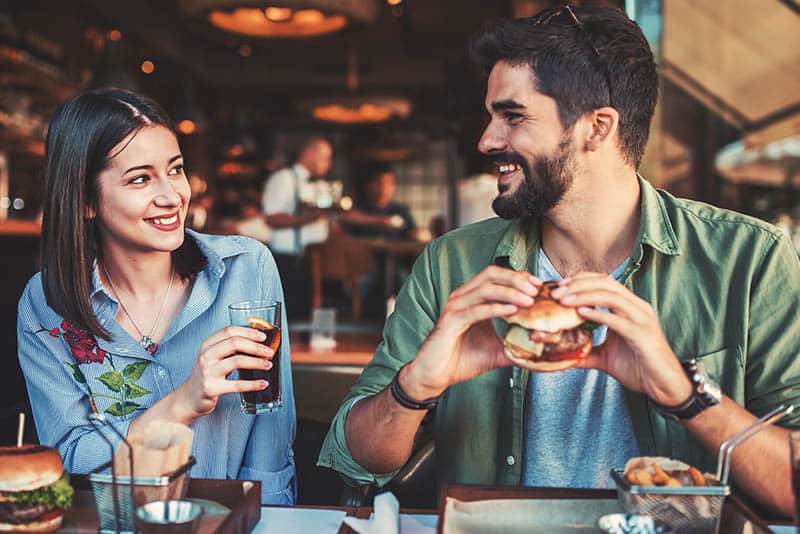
148 67
278 14
394 2
114 35
245 50
187 127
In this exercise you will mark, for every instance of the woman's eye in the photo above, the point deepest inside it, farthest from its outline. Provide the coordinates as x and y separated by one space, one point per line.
177 169
139 179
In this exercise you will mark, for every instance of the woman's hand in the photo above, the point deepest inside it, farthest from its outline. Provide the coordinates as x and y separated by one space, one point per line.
233 347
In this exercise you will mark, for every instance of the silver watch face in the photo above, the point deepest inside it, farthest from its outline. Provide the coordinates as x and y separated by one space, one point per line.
708 386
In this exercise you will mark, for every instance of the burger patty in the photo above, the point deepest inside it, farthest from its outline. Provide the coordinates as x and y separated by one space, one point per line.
568 341
16 513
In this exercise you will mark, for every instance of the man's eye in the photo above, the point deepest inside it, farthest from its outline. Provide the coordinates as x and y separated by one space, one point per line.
177 169
513 118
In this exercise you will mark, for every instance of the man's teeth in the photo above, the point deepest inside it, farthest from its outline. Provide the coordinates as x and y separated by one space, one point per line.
508 167
165 220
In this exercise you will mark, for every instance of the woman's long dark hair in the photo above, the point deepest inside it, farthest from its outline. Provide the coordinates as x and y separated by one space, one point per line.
80 138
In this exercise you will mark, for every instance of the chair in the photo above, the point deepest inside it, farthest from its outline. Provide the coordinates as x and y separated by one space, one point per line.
342 260
414 485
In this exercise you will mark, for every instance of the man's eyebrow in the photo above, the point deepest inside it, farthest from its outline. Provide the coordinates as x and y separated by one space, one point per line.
506 105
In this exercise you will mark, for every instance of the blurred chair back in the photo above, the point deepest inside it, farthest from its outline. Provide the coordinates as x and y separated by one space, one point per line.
343 260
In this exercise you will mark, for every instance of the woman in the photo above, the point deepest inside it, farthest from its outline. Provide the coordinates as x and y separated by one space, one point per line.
118 320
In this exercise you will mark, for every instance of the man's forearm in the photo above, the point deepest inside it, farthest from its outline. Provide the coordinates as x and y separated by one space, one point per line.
760 466
380 432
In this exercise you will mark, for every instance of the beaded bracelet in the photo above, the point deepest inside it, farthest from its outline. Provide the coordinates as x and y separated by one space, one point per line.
407 402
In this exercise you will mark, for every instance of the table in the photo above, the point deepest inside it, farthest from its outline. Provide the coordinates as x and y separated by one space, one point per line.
351 350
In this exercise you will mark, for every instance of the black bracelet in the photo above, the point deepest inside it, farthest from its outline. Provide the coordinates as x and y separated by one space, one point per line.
407 402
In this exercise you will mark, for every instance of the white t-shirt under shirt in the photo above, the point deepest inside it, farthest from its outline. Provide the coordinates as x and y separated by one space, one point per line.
282 191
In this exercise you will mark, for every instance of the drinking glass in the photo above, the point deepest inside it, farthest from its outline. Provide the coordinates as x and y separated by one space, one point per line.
264 315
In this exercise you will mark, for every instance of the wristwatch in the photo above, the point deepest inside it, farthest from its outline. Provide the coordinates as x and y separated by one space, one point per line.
705 394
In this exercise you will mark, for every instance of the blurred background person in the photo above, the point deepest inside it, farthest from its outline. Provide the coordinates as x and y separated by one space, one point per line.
296 222
378 214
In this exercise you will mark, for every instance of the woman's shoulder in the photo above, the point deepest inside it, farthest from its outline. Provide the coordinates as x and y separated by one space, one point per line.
33 305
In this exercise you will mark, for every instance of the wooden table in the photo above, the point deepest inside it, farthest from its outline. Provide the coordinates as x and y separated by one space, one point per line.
351 350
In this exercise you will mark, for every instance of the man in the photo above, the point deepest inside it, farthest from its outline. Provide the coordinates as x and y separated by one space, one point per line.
380 215
570 95
295 223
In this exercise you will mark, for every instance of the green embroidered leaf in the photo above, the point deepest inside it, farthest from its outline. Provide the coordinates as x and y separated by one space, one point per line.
112 379
77 374
134 371
133 391
119 409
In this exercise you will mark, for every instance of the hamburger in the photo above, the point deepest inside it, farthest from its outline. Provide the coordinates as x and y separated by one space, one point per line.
562 336
34 489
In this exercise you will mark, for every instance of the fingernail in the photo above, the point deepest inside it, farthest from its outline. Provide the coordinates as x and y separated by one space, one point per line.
261 335
264 384
267 364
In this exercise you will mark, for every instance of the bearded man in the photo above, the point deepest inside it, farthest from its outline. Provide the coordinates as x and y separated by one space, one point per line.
570 96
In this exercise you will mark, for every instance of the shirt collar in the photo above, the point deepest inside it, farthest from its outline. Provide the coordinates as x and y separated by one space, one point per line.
521 238
301 171
215 248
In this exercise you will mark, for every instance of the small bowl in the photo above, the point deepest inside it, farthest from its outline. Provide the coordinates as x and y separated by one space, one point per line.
159 517
632 524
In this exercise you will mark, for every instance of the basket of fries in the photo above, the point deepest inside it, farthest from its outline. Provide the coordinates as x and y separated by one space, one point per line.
679 494
671 491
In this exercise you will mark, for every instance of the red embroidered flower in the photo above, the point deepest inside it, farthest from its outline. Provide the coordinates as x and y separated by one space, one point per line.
55 332
82 344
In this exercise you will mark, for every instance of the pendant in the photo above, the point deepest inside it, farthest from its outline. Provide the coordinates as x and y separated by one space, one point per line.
147 344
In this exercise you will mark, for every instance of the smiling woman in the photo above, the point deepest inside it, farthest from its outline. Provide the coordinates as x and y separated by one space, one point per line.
118 320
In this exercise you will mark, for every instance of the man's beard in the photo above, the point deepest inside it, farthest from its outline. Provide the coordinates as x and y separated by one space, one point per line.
535 196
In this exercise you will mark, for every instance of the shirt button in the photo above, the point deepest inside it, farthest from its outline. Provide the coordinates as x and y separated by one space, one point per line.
510 383
510 460
161 372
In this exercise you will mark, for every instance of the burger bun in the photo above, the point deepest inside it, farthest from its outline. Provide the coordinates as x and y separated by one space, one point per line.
28 468
50 525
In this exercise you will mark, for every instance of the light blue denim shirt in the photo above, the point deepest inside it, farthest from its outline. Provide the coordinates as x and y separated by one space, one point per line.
67 371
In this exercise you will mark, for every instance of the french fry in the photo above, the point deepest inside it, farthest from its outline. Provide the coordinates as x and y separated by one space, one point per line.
673 482
640 477
697 477
660 478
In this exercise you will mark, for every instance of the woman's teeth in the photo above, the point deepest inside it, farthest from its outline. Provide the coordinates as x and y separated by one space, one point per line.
165 220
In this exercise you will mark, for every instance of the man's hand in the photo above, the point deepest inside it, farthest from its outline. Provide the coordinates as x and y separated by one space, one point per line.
636 352
463 344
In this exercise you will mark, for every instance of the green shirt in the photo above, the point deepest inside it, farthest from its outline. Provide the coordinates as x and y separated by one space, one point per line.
726 288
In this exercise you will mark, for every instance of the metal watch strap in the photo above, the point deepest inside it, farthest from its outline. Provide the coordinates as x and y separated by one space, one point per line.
407 402
701 398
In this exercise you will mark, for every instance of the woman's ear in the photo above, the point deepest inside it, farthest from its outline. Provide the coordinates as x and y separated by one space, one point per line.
90 213
603 128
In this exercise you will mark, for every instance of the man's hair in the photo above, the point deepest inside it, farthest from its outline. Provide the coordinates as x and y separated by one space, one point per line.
375 171
80 139
565 68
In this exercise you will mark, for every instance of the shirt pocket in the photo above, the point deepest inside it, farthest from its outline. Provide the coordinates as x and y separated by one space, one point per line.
277 487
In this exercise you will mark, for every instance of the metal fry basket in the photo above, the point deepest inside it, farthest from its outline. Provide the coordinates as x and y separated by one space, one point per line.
106 488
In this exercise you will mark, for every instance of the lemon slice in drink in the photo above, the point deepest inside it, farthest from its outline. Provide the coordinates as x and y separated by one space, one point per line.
259 323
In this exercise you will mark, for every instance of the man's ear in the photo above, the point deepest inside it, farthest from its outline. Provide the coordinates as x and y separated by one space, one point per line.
603 127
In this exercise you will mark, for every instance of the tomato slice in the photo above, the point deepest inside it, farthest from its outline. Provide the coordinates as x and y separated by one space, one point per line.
47 516
572 355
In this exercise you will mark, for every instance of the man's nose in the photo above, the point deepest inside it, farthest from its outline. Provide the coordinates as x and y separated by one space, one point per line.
492 139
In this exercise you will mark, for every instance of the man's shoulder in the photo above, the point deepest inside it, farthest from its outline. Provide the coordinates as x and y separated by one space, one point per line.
484 234
705 217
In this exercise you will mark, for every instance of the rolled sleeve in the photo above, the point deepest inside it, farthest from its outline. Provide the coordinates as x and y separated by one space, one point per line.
773 354
406 328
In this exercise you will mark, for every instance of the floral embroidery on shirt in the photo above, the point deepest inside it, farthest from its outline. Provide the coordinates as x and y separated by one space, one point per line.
121 383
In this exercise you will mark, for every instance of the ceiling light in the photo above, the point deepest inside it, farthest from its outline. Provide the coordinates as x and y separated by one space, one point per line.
281 18
148 67
358 110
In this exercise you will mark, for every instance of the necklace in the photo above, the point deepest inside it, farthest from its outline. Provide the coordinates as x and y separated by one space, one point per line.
146 340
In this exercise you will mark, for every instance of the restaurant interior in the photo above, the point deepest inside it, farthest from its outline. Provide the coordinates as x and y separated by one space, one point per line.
390 85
